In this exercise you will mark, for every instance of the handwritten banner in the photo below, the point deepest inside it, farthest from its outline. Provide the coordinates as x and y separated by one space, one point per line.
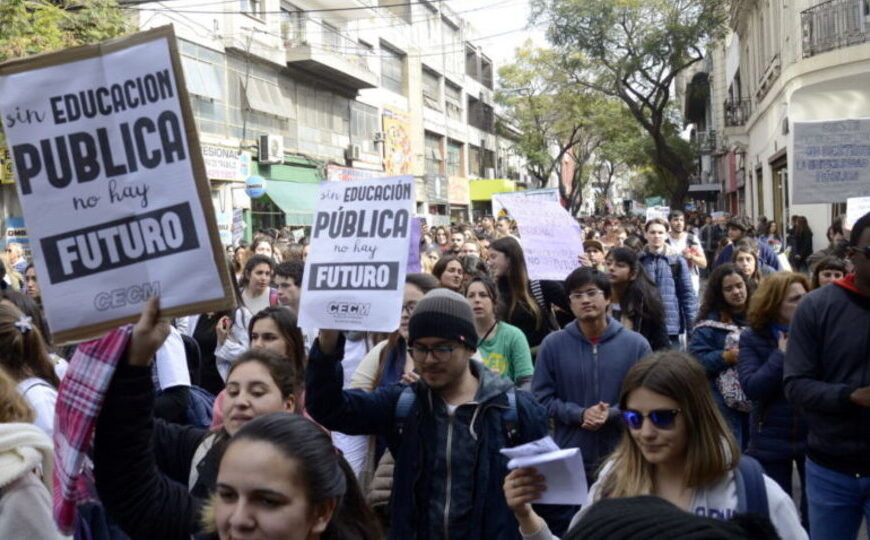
544 194
831 161
549 235
103 141
355 272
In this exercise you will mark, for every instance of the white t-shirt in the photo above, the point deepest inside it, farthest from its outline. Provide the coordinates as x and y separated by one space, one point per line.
258 304
41 396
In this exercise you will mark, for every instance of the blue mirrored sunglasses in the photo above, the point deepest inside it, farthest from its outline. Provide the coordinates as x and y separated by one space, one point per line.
661 418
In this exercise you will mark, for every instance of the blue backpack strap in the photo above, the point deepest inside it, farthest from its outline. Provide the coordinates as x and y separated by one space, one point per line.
403 407
751 493
510 419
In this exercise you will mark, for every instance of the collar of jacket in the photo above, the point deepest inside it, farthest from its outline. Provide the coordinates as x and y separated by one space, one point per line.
613 328
848 283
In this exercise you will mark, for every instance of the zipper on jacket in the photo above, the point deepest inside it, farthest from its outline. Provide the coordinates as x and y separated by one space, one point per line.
449 483
596 385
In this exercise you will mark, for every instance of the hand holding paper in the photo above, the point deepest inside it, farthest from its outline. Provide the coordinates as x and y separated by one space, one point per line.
564 478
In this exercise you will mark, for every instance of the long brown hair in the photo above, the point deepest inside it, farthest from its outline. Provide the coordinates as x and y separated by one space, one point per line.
765 302
517 279
13 407
711 450
22 349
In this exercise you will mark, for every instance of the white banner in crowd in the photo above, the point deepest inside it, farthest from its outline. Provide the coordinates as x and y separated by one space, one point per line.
549 235
544 194
355 272
660 212
111 180
855 208
830 161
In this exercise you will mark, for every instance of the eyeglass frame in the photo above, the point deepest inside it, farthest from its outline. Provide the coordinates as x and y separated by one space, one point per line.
433 351
580 295
645 417
409 307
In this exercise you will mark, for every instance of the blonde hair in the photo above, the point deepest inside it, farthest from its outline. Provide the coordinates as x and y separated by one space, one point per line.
23 352
15 277
765 302
711 450
13 407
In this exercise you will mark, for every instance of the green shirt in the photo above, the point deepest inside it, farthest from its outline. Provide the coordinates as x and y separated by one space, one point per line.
507 353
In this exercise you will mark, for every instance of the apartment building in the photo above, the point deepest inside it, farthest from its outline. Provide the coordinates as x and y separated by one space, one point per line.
784 62
311 90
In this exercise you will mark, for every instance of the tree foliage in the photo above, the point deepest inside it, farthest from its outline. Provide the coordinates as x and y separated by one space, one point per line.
633 50
559 121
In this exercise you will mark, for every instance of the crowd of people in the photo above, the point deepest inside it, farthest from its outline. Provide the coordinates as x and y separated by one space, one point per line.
699 363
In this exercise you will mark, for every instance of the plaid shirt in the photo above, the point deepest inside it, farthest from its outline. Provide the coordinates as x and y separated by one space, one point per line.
79 401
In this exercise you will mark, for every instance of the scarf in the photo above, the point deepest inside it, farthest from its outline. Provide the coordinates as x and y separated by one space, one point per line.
23 448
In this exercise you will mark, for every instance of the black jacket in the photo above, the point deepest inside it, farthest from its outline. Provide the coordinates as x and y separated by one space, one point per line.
142 465
828 357
554 295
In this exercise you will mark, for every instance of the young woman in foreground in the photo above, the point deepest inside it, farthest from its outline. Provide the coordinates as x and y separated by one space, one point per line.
676 446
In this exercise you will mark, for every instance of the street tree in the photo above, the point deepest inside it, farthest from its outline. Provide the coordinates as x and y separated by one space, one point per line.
633 50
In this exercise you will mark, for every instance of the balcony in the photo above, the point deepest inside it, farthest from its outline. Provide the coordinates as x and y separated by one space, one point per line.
706 141
322 50
737 112
833 25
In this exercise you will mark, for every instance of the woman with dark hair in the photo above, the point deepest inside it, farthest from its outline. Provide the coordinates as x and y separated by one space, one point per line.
772 237
257 294
276 329
778 431
241 254
745 258
635 301
308 490
715 344
442 239
828 269
153 477
472 267
800 241
448 271
502 347
524 303
262 245
675 446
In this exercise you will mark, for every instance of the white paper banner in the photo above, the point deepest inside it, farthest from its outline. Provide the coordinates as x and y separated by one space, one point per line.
545 194
660 212
831 161
355 272
549 235
106 182
855 208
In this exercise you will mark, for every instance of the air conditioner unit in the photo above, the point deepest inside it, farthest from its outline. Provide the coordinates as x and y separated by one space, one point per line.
271 149
380 137
352 152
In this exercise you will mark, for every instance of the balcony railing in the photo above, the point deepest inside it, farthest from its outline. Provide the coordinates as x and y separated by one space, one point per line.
300 30
706 141
835 24
737 111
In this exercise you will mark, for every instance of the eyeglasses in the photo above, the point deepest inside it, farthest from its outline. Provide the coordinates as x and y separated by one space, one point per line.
661 418
585 294
409 307
441 353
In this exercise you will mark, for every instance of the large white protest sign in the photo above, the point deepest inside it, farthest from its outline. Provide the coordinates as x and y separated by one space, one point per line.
355 271
544 194
549 235
658 212
831 161
855 208
111 181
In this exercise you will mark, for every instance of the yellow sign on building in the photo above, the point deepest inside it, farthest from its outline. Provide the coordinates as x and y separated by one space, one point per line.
398 155
6 174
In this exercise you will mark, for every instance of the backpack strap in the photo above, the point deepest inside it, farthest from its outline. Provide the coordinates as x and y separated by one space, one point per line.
273 297
403 407
541 300
201 451
751 493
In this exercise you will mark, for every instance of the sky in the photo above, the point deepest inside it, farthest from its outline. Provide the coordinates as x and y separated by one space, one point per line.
492 17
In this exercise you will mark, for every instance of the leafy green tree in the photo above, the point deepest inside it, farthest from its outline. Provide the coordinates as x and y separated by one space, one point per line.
633 50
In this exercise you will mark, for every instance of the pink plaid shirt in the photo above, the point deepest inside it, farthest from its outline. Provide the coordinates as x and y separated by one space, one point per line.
79 401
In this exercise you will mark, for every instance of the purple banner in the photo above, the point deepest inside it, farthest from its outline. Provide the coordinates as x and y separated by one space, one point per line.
414 249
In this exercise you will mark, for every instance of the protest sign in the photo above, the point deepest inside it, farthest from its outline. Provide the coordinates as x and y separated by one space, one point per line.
544 194
855 208
831 161
549 235
111 180
355 271
660 212
414 262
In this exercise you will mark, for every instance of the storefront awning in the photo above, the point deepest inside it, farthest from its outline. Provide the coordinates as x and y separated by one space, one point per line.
705 187
296 199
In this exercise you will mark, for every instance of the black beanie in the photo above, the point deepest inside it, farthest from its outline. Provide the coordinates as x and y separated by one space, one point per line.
444 314
653 518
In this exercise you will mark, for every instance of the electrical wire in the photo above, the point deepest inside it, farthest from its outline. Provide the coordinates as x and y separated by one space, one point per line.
132 3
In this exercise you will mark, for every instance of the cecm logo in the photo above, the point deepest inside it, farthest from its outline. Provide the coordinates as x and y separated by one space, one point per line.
348 309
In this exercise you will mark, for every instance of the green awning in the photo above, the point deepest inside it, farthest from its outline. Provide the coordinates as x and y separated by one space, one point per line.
296 199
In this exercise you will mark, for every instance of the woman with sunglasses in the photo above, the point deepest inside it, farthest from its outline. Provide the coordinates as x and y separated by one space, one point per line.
675 446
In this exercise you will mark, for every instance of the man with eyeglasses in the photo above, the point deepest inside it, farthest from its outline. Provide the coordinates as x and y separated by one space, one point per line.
579 373
827 375
446 438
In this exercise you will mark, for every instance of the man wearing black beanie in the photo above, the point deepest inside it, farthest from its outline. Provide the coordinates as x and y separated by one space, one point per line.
445 430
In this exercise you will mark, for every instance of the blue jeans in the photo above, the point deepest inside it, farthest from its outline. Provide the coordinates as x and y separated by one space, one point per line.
837 503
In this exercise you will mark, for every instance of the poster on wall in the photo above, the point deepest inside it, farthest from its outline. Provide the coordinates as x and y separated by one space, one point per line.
103 141
831 161
550 237
397 143
355 272
16 233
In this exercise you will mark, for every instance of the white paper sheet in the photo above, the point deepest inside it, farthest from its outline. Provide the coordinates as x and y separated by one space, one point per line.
562 468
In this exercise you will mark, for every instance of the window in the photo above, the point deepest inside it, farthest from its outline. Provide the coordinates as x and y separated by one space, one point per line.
486 73
474 161
363 125
488 161
400 10
392 70
471 63
292 24
431 89
453 100
202 78
331 38
434 157
253 8
454 158
323 110
265 97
